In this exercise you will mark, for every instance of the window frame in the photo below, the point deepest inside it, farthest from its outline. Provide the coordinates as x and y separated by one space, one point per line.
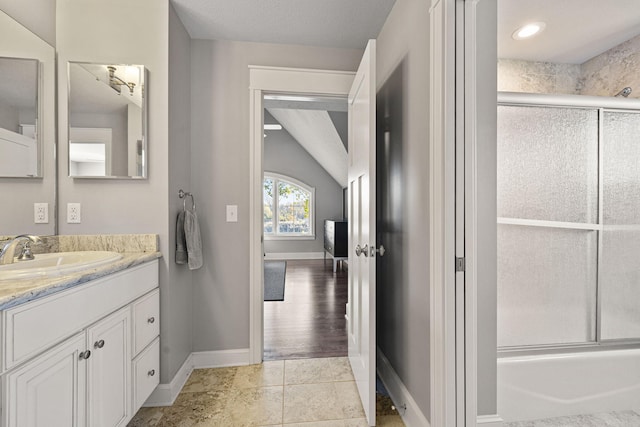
276 235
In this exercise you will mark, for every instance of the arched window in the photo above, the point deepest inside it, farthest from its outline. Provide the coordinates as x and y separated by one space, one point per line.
288 208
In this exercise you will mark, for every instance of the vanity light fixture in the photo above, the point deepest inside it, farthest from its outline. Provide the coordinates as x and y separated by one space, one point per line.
272 127
115 82
528 31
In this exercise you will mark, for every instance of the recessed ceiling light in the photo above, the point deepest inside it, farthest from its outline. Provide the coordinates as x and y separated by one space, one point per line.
272 127
529 30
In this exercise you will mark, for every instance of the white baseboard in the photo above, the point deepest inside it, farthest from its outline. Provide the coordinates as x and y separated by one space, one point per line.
412 415
489 421
166 394
218 359
294 255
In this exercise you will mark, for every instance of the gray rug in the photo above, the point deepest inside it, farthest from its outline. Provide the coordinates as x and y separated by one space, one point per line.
274 272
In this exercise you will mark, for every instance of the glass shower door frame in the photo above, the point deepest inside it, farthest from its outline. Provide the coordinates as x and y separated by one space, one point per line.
601 105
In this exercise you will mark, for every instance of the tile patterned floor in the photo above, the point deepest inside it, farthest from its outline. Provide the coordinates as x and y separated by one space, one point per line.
609 419
289 393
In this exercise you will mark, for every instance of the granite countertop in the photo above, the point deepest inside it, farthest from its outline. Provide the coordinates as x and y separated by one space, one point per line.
135 249
19 291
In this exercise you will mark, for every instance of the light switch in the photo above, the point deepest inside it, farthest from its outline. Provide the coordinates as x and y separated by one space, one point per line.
232 213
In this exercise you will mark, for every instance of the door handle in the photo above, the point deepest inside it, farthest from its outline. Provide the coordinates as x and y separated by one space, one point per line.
380 250
364 250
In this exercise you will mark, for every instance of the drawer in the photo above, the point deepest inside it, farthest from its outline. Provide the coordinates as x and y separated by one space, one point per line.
146 373
146 320
33 327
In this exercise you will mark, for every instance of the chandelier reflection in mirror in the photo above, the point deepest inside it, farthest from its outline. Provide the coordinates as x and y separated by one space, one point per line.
115 82
107 121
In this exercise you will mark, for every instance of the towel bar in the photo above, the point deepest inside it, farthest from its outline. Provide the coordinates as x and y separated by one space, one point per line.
183 195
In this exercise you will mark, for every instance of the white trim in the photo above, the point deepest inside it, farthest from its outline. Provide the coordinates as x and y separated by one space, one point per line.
220 358
442 212
293 255
166 394
284 237
471 213
272 80
465 408
489 421
412 415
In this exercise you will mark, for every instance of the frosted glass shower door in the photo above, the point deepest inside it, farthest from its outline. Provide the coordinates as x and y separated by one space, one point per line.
620 258
547 225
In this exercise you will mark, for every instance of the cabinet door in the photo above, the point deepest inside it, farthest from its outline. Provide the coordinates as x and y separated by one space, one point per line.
48 391
109 370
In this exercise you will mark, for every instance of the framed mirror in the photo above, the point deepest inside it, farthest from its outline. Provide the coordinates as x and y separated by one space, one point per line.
20 150
27 130
107 121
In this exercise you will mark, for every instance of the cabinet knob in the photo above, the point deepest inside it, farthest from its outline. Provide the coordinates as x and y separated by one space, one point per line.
84 355
98 344
151 372
151 319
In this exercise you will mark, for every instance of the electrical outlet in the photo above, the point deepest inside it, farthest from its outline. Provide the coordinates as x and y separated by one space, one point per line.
73 213
41 213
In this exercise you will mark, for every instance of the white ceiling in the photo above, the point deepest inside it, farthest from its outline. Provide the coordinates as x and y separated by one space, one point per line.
315 132
328 23
576 31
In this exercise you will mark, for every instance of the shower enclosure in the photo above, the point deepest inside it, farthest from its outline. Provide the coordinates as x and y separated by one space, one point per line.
568 239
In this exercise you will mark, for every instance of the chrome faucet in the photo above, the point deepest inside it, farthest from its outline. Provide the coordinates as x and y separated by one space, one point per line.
8 251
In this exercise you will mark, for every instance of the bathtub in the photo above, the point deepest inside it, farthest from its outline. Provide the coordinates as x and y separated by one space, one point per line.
545 386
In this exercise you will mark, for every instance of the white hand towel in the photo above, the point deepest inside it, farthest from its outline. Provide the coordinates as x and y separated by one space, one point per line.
194 242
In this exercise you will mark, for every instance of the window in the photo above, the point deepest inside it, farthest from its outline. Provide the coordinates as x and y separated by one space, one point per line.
287 208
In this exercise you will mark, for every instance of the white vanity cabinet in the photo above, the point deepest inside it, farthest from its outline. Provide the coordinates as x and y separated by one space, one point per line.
71 359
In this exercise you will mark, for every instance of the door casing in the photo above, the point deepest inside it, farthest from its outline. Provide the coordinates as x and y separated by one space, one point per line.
274 80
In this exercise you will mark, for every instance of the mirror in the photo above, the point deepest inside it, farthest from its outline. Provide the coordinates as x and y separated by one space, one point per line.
19 153
27 130
107 121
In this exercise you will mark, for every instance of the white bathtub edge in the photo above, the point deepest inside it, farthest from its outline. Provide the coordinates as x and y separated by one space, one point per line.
489 421
568 384
399 394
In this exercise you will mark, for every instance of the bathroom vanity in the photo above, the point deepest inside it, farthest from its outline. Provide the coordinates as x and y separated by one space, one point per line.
87 355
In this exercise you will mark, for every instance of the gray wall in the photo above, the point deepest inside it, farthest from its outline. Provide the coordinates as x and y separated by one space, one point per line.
9 118
85 32
23 192
220 167
486 260
405 39
178 292
284 155
603 75
39 16
117 122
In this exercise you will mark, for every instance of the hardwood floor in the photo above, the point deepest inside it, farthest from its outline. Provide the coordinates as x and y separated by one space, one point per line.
310 322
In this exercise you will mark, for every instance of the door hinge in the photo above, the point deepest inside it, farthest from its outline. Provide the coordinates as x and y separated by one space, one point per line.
460 264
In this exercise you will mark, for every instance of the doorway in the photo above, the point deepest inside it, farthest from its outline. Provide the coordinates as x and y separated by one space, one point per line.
304 174
269 80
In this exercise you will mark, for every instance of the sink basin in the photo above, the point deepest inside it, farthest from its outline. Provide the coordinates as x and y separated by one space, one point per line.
57 264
